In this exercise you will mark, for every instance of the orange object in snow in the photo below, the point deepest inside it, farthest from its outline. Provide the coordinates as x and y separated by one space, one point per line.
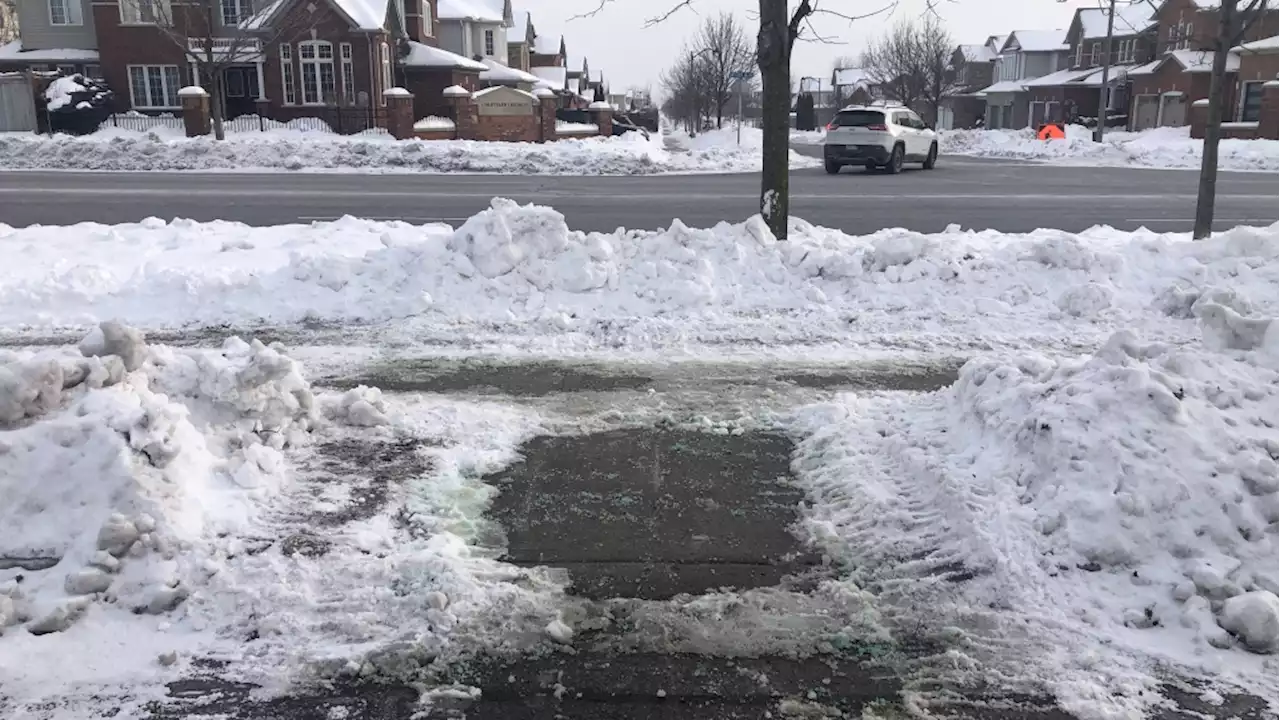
1051 131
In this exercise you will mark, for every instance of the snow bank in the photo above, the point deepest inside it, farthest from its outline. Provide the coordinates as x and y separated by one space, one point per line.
523 267
1123 503
1155 148
300 149
124 465
723 143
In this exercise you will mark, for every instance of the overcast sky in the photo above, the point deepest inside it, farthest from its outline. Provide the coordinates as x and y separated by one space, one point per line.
616 41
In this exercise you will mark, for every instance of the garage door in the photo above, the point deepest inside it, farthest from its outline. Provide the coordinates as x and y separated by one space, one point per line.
1175 111
17 104
1146 112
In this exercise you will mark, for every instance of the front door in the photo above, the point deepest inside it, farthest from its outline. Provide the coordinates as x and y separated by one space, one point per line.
241 84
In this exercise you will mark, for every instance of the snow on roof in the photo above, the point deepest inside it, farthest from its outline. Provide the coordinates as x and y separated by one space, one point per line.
852 77
977 53
995 42
1115 74
1062 77
546 44
1039 40
1198 61
426 56
553 76
1130 20
366 14
482 10
521 19
498 72
1004 86
1265 46
14 51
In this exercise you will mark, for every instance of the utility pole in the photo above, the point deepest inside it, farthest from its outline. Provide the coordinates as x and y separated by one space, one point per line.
1106 72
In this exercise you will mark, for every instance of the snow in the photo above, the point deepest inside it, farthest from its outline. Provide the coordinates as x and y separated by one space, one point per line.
60 91
193 91
148 505
366 14
1039 40
1155 148
421 55
1004 86
432 122
13 51
1265 45
978 53
724 143
1130 20
398 92
481 10
555 77
1201 61
456 91
523 266
578 128
1117 506
375 151
498 72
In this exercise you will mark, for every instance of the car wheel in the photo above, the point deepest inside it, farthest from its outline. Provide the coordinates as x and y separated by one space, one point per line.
832 167
931 161
895 160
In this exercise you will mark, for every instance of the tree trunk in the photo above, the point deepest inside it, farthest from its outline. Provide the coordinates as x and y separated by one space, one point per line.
217 103
774 59
1208 192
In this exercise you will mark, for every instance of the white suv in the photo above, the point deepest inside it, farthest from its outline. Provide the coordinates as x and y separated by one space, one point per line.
878 137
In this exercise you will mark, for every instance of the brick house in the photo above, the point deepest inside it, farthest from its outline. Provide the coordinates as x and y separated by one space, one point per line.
973 67
1178 75
295 58
1075 90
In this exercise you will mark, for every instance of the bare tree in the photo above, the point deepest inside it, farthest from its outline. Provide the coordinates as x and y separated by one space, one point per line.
1235 19
911 63
214 35
8 21
725 54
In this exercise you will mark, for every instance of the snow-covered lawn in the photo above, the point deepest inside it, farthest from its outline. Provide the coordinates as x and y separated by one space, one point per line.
1156 148
1104 472
302 150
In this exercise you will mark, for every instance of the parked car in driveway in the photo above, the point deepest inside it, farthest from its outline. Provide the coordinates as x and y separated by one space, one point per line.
878 137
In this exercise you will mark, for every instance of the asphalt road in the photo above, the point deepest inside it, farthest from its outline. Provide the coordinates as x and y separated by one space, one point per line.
1005 195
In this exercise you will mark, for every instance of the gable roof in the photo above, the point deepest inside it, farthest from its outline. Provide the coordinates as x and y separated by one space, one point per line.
554 76
498 72
1130 20
1265 46
977 53
361 14
1036 40
494 11
427 56
548 45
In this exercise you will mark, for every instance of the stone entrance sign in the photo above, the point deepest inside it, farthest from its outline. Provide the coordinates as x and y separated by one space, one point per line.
501 100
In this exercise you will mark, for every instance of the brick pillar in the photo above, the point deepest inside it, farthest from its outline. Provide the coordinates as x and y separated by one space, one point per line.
464 112
195 111
546 115
602 116
399 113
1199 118
1269 116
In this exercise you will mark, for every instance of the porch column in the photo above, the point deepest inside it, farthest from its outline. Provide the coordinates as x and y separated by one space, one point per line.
195 72
262 79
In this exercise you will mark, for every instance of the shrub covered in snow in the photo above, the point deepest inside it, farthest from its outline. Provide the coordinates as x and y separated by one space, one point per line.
77 105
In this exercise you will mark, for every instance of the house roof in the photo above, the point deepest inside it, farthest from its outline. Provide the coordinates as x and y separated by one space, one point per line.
977 53
426 56
498 72
547 45
364 14
1130 20
494 11
1198 61
554 76
522 20
13 51
1265 46
1057 79
1037 40
1004 86
995 42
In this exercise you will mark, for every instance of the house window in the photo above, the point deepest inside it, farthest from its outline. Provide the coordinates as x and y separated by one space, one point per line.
1250 102
235 11
488 43
348 74
143 12
286 75
385 51
154 87
316 59
1080 53
65 12
66 69
428 27
1095 54
93 71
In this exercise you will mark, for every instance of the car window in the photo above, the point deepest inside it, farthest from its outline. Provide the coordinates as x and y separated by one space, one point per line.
916 122
901 118
858 118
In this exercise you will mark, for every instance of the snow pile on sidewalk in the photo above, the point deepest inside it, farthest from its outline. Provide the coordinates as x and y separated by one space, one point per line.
155 513
301 150
1155 148
1124 504
735 156
524 269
